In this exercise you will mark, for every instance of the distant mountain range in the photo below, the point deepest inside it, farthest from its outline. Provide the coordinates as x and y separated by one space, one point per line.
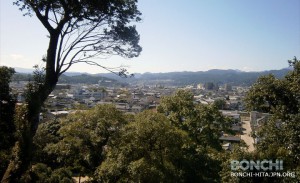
75 79
234 77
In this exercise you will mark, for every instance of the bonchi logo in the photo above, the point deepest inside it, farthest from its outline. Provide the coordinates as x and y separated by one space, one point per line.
258 165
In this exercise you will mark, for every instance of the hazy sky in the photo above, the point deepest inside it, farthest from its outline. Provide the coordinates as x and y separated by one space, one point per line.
176 35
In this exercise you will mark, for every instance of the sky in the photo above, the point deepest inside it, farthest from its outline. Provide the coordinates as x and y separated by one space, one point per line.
176 35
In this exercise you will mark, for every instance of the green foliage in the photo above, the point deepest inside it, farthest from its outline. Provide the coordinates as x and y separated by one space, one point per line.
61 175
277 96
4 159
7 110
108 146
22 135
78 31
238 154
82 137
41 173
7 106
265 94
177 107
207 125
220 104
149 149
22 126
204 123
281 140
280 135
33 89
46 133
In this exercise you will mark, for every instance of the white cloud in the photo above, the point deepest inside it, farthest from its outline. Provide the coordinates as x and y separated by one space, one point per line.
18 60
17 57
248 69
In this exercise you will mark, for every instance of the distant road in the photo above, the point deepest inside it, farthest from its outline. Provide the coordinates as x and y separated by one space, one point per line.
246 134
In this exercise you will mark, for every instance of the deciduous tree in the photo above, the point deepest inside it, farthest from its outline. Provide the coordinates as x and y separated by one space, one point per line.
149 149
83 136
203 124
277 96
280 135
80 31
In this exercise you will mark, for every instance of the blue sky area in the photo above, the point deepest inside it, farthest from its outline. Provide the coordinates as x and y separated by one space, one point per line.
176 35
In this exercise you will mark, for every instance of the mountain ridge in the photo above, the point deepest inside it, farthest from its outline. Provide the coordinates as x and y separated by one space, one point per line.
71 73
219 76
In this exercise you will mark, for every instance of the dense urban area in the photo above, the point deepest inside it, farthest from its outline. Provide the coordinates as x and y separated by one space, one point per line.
215 116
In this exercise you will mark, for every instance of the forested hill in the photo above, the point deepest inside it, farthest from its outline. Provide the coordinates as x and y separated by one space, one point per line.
75 79
233 77
89 79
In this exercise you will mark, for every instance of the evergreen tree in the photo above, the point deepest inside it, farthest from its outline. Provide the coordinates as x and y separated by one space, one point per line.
7 110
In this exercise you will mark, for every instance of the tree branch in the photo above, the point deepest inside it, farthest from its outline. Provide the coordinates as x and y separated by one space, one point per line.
43 19
122 72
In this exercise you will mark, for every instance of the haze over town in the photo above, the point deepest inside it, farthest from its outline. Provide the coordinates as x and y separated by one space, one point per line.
179 36
70 122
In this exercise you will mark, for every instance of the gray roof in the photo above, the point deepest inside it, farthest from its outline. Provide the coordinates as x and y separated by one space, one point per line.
230 138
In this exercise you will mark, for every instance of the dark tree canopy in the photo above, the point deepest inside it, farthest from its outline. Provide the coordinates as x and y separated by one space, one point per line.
7 106
7 109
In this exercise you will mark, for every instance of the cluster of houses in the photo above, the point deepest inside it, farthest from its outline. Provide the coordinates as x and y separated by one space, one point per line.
134 99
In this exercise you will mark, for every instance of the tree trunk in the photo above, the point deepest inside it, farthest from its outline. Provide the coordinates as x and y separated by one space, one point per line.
19 162
22 151
27 120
